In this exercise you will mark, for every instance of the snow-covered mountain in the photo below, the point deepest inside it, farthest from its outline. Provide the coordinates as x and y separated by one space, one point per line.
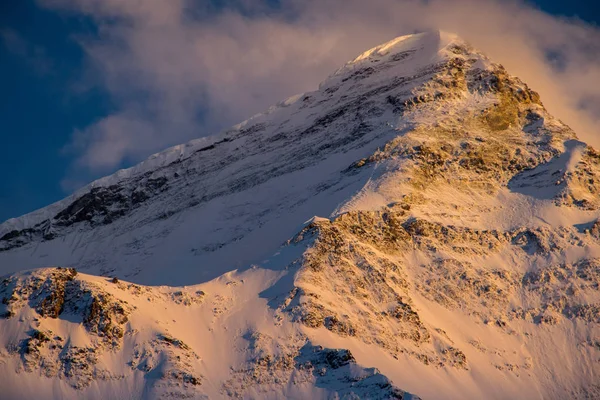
418 226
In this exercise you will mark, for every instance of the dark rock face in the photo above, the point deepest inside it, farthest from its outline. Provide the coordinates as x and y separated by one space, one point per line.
104 204
338 358
56 291
329 365
52 293
595 230
100 206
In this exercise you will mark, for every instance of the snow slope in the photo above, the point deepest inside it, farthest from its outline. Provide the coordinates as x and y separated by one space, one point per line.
240 198
420 213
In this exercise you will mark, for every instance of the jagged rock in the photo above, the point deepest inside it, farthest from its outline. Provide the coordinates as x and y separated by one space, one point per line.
595 230
335 369
53 292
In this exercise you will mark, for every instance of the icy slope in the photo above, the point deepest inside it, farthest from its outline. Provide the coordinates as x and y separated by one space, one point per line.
456 251
204 207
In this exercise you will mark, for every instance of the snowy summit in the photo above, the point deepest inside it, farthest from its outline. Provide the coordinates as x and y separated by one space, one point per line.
418 227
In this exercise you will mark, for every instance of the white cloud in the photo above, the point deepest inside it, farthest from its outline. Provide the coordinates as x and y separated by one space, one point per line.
178 71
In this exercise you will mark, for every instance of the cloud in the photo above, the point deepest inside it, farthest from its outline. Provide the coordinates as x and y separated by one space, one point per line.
13 42
34 56
177 69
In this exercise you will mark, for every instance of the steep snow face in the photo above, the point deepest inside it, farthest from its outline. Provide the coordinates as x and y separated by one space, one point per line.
421 214
200 209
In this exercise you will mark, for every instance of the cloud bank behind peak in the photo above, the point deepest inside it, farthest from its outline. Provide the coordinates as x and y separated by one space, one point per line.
181 69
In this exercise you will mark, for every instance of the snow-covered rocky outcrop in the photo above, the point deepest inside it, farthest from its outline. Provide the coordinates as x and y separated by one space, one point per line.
456 252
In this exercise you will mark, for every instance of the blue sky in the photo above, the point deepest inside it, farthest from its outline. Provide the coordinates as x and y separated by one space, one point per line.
64 69
40 108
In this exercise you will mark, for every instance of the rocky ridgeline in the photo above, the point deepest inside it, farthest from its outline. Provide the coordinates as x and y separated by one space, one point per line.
58 293
99 206
507 139
169 365
353 282
358 279
583 182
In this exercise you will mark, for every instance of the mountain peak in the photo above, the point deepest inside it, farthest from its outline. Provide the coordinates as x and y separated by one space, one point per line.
417 50
421 211
431 47
436 40
425 79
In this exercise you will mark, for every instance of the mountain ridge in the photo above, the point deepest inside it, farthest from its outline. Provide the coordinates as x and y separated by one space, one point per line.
419 224
179 152
112 200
